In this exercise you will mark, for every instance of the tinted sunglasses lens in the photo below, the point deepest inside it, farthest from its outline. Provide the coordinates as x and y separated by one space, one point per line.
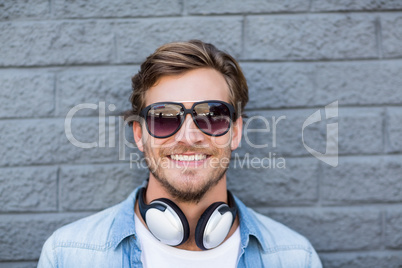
212 117
164 119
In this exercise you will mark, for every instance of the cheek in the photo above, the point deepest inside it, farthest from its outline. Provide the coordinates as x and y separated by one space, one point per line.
156 146
221 141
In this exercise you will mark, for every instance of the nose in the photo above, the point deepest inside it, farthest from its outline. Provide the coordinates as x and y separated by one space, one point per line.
189 133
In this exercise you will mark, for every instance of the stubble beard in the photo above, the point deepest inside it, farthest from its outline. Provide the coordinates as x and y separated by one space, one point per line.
188 194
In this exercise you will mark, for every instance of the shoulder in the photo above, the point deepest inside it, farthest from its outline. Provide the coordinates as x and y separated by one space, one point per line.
94 240
269 232
277 233
74 241
90 231
100 231
283 246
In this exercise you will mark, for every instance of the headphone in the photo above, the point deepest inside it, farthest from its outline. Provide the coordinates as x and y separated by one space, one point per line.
166 221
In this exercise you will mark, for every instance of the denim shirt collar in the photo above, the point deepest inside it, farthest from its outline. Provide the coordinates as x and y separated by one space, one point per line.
123 225
249 227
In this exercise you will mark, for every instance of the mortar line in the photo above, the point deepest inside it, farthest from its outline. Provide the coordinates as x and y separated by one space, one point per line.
127 161
294 207
212 15
184 12
58 190
377 25
243 37
360 251
56 94
51 7
385 130
319 182
241 61
383 226
387 140
310 6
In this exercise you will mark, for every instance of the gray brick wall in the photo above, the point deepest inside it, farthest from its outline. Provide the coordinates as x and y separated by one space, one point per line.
298 56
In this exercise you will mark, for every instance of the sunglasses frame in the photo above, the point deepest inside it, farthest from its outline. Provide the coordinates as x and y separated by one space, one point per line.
232 116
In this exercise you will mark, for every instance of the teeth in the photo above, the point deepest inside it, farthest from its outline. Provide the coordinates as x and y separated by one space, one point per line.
181 157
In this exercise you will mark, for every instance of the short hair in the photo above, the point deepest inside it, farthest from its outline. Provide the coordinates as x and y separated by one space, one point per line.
179 57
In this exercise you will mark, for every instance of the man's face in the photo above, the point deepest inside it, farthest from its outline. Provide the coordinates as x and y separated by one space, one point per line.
190 162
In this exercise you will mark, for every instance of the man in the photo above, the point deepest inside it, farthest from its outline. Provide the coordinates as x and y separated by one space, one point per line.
186 115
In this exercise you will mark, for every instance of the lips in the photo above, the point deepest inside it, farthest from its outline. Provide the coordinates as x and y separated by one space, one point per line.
187 157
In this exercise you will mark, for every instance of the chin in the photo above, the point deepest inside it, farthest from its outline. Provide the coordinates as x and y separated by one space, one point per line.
187 186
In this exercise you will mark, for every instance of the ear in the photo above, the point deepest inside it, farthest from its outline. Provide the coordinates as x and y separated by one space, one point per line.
137 131
237 132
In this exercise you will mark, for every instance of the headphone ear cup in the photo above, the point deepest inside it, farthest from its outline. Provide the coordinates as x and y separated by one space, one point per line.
168 225
213 226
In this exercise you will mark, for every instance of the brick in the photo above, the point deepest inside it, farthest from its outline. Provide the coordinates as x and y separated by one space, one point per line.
391 35
394 130
248 6
295 182
393 229
359 131
333 229
24 9
18 264
137 39
45 142
56 43
24 235
358 83
95 85
29 142
361 260
260 138
129 152
362 180
279 85
26 94
310 37
120 8
28 189
86 130
97 186
344 5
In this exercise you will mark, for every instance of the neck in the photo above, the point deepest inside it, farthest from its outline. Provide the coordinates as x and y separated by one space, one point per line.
192 210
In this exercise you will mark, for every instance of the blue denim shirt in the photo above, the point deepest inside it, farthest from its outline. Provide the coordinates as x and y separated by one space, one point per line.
108 239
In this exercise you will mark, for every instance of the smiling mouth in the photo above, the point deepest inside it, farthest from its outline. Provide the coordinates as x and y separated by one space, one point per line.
187 157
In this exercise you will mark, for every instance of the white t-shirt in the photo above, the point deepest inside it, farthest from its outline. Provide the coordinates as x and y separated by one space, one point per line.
156 254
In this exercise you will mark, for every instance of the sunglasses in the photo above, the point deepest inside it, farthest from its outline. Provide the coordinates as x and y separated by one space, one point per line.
164 119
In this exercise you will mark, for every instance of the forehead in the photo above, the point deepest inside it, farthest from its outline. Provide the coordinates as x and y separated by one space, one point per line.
192 86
